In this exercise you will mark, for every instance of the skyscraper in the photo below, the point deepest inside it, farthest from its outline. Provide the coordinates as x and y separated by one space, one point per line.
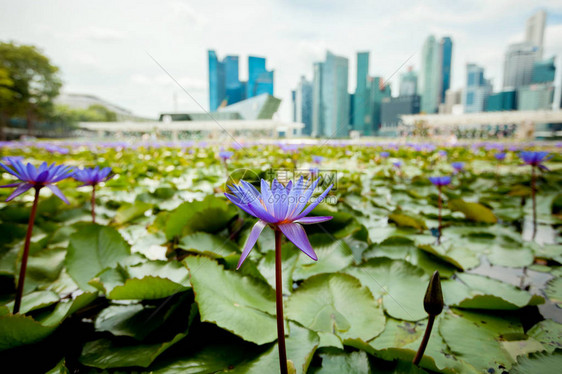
518 65
361 117
335 96
317 103
408 83
217 87
378 92
435 73
429 76
225 87
543 71
477 89
233 86
445 58
520 57
330 101
303 105
534 31
260 80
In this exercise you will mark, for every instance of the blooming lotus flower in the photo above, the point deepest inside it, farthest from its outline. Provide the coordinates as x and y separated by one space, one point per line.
225 155
9 159
458 166
92 176
30 176
282 207
440 181
317 159
384 154
500 156
534 158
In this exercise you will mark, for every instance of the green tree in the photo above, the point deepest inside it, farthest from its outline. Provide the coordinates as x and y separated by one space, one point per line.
32 80
71 116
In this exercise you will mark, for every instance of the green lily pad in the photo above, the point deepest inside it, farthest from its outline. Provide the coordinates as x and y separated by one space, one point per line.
211 358
401 340
210 215
400 285
300 346
336 361
36 300
148 280
266 267
338 304
105 354
477 338
208 244
554 290
17 330
548 333
59 369
333 255
92 249
473 211
471 291
405 220
538 363
130 211
241 305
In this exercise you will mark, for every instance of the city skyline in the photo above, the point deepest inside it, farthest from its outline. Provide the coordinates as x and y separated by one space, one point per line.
109 59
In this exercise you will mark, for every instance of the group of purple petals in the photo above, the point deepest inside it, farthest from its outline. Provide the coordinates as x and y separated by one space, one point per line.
47 175
282 207
533 158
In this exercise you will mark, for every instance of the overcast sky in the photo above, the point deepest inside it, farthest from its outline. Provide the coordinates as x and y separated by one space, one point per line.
101 46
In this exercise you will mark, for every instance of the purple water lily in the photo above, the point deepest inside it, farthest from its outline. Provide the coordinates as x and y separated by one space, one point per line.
30 176
458 166
384 154
500 156
225 155
397 164
281 207
93 177
440 181
284 209
317 159
534 158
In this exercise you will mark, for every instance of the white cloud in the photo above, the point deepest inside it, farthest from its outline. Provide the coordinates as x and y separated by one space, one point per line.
100 47
100 34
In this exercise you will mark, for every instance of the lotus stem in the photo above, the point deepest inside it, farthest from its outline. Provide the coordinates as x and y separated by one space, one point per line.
21 279
533 195
433 305
439 227
425 340
279 304
93 203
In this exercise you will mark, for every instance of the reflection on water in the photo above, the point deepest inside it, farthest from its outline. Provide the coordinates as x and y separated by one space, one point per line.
545 233
530 280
